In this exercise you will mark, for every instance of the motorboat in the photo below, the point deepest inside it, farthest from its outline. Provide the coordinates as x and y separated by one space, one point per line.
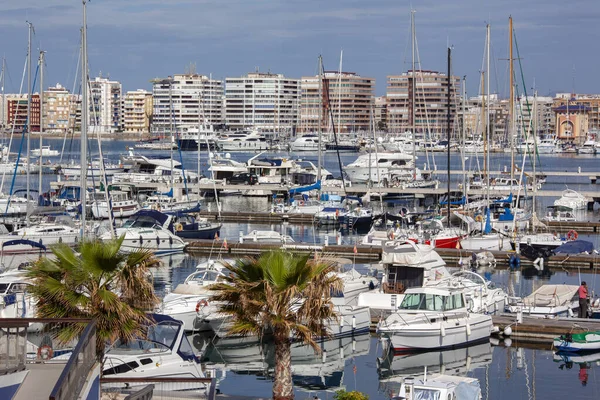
224 167
16 300
187 302
578 342
559 214
432 232
44 151
588 147
357 219
383 167
148 230
440 387
188 227
431 318
330 214
266 237
144 169
548 301
353 284
73 170
543 241
273 170
121 205
242 141
163 352
168 204
572 200
52 231
307 143
195 139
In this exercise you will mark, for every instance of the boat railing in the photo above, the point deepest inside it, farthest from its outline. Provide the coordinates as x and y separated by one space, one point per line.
169 384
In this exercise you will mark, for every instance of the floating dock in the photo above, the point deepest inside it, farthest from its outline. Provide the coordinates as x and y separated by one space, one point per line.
543 330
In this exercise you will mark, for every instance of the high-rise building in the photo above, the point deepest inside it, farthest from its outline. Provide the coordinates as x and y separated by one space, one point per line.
60 109
535 114
105 105
429 105
381 113
343 101
136 112
268 102
16 112
186 101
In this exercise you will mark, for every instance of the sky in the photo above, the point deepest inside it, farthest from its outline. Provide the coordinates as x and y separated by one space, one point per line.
134 41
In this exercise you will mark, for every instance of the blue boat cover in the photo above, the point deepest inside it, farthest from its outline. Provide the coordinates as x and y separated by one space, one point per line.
314 186
23 241
575 247
507 200
157 215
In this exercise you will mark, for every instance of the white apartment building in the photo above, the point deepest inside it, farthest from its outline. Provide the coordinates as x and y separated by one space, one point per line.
265 101
186 101
545 118
105 105
136 112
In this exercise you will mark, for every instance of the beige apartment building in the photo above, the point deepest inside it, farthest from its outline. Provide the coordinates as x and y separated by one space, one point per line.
60 109
429 105
136 112
342 100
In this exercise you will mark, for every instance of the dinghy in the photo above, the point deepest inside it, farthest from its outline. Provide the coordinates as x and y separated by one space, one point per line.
578 342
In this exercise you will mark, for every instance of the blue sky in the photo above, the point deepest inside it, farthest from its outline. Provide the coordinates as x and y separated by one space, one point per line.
136 40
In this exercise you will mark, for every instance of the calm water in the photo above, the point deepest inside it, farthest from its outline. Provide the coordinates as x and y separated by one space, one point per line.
360 363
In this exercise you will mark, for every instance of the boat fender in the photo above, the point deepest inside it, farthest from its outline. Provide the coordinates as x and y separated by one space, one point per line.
479 218
468 329
514 261
570 312
443 331
507 331
572 235
178 227
45 352
201 304
391 234
301 202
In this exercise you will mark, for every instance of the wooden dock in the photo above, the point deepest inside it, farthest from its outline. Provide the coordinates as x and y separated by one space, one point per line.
372 254
543 330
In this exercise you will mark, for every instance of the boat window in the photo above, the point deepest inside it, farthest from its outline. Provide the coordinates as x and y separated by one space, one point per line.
3 287
185 350
423 301
455 301
427 394
120 369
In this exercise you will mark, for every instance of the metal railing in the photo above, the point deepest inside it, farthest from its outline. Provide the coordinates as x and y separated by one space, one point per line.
174 383
146 393
13 342
76 371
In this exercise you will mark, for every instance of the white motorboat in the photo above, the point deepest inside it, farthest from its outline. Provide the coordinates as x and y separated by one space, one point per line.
541 241
431 318
150 230
16 300
559 214
383 167
164 352
354 283
572 200
473 147
440 387
73 170
143 169
223 167
266 237
307 143
168 204
122 205
274 170
200 138
186 302
43 233
548 301
490 241
588 147
243 141
45 151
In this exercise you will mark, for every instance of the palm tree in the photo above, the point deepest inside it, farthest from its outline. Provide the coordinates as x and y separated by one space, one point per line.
285 295
100 283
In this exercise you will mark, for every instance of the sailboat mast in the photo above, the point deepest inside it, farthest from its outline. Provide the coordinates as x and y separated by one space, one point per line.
511 101
339 88
171 129
463 134
412 95
29 104
42 60
448 127
320 130
487 110
3 93
84 120
484 125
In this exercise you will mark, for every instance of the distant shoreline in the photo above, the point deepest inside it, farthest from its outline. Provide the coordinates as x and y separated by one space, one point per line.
112 136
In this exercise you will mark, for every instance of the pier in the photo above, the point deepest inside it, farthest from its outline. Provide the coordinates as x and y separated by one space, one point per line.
543 330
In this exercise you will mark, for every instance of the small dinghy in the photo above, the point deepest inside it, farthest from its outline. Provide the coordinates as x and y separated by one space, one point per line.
578 342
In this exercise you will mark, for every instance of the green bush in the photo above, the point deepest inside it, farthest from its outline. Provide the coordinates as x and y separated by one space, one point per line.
354 395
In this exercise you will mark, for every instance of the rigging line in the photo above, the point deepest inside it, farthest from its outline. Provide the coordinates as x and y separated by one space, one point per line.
428 130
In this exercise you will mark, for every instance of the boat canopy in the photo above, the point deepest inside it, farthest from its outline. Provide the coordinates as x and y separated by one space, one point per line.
551 296
575 247
314 186
17 242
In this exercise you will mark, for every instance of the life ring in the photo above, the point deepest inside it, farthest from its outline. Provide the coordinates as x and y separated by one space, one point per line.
45 352
301 202
202 303
391 234
479 218
572 235
178 227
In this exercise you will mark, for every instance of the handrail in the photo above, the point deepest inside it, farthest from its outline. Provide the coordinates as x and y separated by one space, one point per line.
211 387
76 370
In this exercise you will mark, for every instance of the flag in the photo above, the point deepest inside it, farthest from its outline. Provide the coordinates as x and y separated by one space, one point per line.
225 244
216 235
355 249
354 368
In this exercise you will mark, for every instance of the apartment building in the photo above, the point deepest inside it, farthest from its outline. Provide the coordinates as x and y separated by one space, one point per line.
428 105
186 101
342 100
265 101
590 102
105 105
136 112
60 109
16 112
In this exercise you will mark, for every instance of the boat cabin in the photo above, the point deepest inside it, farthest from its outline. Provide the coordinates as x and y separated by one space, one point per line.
432 299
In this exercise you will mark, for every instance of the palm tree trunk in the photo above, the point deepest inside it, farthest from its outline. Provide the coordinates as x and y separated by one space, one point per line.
283 389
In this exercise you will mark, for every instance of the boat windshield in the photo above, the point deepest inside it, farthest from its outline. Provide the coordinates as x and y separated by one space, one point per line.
3 287
141 222
427 394
432 302
160 337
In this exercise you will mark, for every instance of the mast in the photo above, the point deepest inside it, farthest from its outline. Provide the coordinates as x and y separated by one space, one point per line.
171 129
42 60
448 127
412 95
463 134
487 109
320 130
339 88
200 119
511 101
29 104
84 120
484 124
534 156
3 93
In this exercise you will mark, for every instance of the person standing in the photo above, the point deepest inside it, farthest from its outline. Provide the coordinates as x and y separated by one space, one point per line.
583 300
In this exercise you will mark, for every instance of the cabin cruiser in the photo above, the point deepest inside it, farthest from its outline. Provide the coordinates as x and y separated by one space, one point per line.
164 352
431 318
242 141
198 138
148 230
573 200
588 147
440 387
398 144
16 300
473 147
559 214
94 169
266 237
548 301
329 214
307 143
186 302
274 170
383 167
188 227
140 169
51 231
122 205
44 151
166 203
223 167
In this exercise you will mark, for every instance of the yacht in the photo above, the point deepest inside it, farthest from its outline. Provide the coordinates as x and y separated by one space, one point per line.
473 147
148 230
431 318
192 141
242 141
588 147
274 170
266 237
44 234
223 167
398 144
573 200
122 205
307 143
45 151
164 352
73 170
559 214
548 301
168 204
143 169
440 387
383 167
547 146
